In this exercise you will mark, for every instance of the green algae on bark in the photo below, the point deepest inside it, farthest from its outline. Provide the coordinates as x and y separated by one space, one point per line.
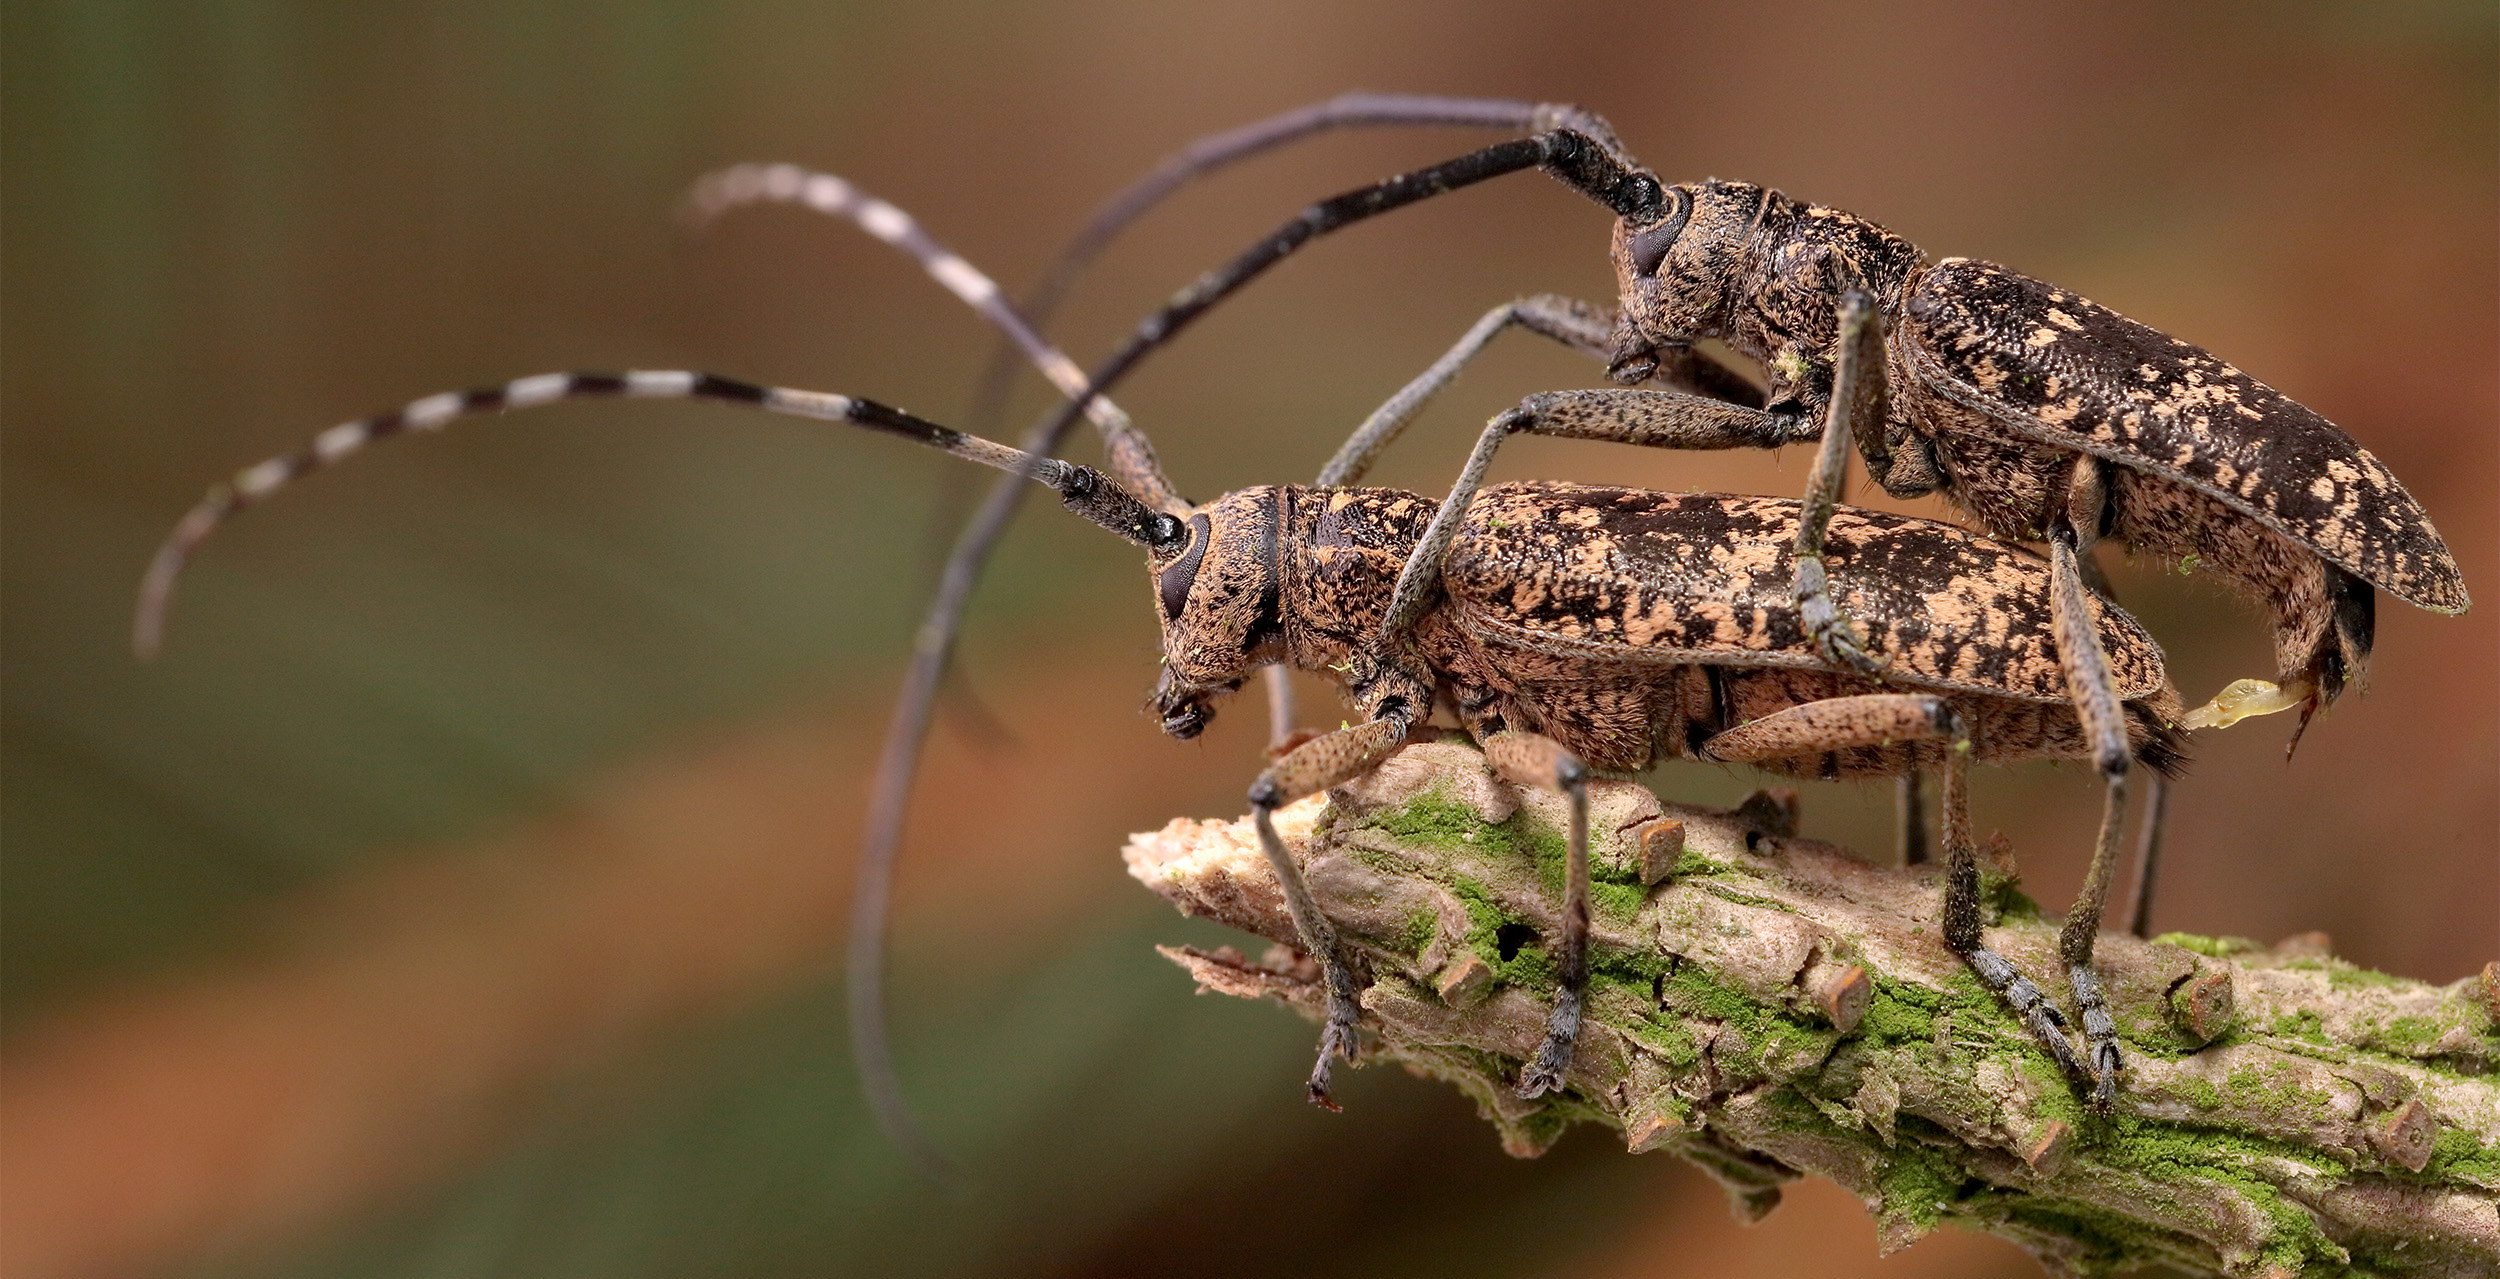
2283 1112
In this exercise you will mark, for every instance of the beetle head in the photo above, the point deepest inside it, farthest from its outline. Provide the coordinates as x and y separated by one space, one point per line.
1219 595
1676 272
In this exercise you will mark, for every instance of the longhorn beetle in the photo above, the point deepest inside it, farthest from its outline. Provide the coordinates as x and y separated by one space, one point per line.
1570 628
2042 415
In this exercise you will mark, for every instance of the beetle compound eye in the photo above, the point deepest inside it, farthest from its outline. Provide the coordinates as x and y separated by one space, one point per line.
1647 195
1650 244
1166 535
1173 585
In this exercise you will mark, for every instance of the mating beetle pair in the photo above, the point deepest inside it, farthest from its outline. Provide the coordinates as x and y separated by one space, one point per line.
2043 416
1410 619
1569 628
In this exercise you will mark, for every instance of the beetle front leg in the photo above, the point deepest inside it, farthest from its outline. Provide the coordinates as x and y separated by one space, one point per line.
1649 419
1854 416
1575 324
1315 766
1533 759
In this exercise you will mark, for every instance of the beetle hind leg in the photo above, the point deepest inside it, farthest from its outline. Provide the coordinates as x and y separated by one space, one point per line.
1533 759
1909 802
2097 706
2074 945
2148 855
1963 913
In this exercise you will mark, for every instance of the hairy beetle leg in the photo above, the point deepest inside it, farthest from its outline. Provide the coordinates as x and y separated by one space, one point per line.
1833 636
1855 414
1997 973
2090 683
1533 759
1314 766
2148 856
2100 1034
2075 943
1840 723
1319 939
1909 802
1962 921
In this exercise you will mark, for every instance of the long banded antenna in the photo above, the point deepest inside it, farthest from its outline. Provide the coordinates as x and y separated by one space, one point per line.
898 761
1083 489
1132 457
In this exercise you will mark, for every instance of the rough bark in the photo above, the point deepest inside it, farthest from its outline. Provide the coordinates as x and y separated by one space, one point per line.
1771 1007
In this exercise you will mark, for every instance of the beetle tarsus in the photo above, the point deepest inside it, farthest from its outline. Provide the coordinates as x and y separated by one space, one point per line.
2100 1034
1338 1039
2031 1007
1553 1057
1833 636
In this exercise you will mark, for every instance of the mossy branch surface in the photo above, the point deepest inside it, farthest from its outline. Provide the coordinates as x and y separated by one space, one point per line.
1770 1007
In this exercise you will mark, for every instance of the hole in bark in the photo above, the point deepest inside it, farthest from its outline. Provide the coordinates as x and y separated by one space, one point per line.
1509 938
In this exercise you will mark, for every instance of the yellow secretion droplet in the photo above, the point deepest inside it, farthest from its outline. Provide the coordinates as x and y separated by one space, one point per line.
2244 698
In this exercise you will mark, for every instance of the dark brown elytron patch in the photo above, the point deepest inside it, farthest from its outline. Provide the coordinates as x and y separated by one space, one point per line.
1700 577
2059 368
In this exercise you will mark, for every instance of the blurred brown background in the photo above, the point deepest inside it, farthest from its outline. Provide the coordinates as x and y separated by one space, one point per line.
460 893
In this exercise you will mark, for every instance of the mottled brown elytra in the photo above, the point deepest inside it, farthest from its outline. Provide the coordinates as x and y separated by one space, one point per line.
1568 628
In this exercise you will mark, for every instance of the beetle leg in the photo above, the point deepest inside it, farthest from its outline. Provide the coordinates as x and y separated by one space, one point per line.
2148 855
1873 719
1963 914
2074 944
1582 326
1836 724
2087 510
1652 419
1855 415
1314 766
2088 680
1420 576
1910 806
1280 714
1575 324
1534 759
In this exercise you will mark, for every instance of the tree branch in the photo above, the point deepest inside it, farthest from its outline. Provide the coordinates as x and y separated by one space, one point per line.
1770 1007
